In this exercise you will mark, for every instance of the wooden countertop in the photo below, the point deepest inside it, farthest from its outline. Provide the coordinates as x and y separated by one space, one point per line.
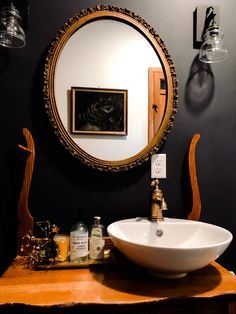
108 284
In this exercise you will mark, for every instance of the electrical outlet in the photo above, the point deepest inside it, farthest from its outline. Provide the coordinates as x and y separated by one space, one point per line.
158 166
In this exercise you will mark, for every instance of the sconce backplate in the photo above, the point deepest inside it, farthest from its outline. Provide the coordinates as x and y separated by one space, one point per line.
202 17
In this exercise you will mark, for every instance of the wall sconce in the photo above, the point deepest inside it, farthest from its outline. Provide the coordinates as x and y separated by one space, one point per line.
11 33
208 35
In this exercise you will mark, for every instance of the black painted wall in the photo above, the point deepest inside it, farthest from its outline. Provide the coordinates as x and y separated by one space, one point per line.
61 185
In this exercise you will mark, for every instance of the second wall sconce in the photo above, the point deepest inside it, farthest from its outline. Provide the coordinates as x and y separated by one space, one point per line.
11 33
208 37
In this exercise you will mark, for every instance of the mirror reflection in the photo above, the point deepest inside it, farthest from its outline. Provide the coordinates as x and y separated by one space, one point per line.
108 54
107 89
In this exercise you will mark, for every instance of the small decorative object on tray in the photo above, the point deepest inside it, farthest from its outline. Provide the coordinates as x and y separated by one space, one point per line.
41 250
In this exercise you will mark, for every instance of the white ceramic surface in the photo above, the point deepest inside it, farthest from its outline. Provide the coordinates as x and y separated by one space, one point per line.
171 248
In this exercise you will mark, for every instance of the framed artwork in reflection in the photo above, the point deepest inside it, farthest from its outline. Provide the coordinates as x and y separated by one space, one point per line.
99 111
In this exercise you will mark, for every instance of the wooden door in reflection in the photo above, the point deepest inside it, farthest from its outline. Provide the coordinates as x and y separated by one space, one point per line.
156 100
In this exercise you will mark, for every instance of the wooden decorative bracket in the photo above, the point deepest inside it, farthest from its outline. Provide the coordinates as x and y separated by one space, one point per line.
196 208
25 218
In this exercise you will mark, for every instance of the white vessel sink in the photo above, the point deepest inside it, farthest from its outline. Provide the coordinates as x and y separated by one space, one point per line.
171 248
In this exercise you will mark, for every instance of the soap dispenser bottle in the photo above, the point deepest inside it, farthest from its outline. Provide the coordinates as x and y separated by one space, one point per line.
96 242
79 243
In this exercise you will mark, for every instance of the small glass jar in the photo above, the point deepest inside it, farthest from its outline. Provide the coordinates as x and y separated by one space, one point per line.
62 241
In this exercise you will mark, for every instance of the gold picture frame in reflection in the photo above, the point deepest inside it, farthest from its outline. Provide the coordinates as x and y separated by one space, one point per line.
99 111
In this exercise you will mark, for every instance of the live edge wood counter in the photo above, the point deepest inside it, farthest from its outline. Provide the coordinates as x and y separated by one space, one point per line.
115 288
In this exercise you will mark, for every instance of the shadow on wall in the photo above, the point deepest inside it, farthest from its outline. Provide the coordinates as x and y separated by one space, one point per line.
200 86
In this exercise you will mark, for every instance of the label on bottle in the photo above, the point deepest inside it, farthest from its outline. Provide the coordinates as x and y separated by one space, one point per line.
78 245
97 244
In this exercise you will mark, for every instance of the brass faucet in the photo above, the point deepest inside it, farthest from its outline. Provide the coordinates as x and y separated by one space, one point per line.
158 203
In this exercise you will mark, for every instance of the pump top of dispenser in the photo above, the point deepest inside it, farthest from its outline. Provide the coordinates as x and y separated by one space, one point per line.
97 220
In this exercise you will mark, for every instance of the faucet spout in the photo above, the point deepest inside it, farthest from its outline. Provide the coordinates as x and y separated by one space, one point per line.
158 203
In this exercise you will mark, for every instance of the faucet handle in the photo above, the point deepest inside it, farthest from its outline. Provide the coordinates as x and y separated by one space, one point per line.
163 204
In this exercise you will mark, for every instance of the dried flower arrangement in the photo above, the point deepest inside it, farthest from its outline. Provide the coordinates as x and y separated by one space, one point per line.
40 250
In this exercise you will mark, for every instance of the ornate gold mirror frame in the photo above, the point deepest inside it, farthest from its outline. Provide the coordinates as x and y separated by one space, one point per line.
62 130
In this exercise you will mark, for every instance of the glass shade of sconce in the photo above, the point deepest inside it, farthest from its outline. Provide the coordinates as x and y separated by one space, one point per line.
213 49
11 33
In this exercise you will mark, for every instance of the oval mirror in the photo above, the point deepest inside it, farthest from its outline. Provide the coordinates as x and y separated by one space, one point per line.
110 88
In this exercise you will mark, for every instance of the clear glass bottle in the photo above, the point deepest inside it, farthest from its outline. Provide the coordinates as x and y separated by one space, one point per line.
79 243
96 242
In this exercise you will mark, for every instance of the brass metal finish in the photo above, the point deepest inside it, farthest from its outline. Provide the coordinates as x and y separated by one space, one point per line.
158 203
56 48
